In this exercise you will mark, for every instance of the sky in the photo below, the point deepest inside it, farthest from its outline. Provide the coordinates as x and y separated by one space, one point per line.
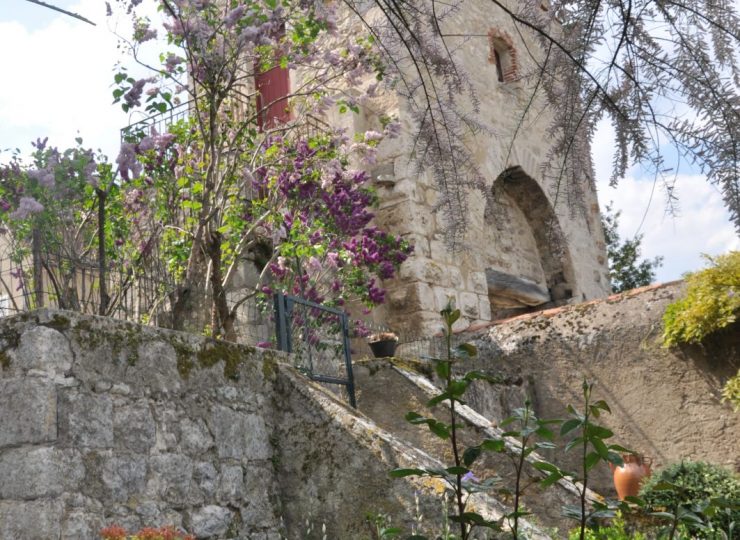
57 75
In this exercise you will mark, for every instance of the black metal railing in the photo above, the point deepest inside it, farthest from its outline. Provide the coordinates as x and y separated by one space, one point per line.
237 108
318 336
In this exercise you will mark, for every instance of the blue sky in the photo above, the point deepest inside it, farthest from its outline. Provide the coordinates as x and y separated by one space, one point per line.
57 75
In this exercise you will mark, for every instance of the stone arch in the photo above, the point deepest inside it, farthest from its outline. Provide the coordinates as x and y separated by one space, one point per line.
503 55
522 191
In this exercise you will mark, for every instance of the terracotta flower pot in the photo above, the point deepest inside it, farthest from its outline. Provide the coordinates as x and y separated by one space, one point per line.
628 477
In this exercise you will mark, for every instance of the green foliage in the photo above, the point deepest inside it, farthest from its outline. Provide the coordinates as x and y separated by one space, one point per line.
590 441
731 391
617 530
712 302
458 476
704 497
626 271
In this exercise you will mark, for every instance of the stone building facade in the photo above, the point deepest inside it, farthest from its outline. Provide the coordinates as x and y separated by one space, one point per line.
530 248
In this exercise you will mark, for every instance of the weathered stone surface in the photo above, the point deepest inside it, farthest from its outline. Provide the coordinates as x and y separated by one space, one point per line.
231 485
194 436
44 348
124 476
209 521
30 520
28 411
39 472
516 290
133 426
205 477
170 477
86 420
80 525
239 435
156 367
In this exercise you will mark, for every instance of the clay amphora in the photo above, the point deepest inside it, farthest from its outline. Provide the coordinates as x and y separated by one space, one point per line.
627 478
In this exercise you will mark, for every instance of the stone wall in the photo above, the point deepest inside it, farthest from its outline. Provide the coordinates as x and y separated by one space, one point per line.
528 228
105 422
665 403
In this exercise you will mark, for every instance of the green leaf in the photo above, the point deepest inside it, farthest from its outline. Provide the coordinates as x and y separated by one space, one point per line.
442 368
592 459
466 350
493 445
551 479
601 404
600 448
439 399
544 466
569 425
457 471
402 473
593 430
415 418
439 429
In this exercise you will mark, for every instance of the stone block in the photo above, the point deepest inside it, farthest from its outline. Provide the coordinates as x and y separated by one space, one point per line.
44 348
30 520
156 368
28 411
477 283
205 477
86 420
82 525
39 472
123 476
469 305
209 521
170 476
133 426
484 308
231 485
194 436
239 435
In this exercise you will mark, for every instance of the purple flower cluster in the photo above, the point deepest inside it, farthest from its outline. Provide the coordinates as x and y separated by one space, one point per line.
27 206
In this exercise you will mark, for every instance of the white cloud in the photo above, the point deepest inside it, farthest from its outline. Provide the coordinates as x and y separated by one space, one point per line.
701 226
58 80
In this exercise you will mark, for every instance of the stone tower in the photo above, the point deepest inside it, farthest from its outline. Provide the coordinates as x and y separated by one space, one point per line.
529 248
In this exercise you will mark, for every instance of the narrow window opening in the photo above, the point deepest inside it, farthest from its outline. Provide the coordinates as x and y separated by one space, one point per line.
499 70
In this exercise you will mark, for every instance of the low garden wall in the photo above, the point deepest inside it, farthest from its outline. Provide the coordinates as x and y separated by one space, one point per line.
104 422
666 403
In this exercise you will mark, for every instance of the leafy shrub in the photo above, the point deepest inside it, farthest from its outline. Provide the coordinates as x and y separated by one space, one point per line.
696 484
616 531
731 391
712 302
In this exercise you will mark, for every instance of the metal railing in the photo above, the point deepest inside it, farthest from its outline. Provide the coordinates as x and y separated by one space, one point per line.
237 108
318 336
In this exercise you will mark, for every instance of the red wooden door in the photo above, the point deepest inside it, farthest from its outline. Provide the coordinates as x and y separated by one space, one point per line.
273 88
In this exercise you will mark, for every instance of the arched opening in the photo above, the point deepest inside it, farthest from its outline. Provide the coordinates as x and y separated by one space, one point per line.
503 55
527 221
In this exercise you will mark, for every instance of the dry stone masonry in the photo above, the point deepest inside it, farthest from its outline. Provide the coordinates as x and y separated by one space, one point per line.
103 422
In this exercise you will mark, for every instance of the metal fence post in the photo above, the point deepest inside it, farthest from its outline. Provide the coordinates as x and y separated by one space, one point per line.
348 360
281 327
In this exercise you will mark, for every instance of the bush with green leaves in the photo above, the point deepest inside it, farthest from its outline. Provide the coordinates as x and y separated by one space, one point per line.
712 302
707 491
617 530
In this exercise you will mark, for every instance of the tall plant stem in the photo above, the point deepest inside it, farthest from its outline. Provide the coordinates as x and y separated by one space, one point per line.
453 438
